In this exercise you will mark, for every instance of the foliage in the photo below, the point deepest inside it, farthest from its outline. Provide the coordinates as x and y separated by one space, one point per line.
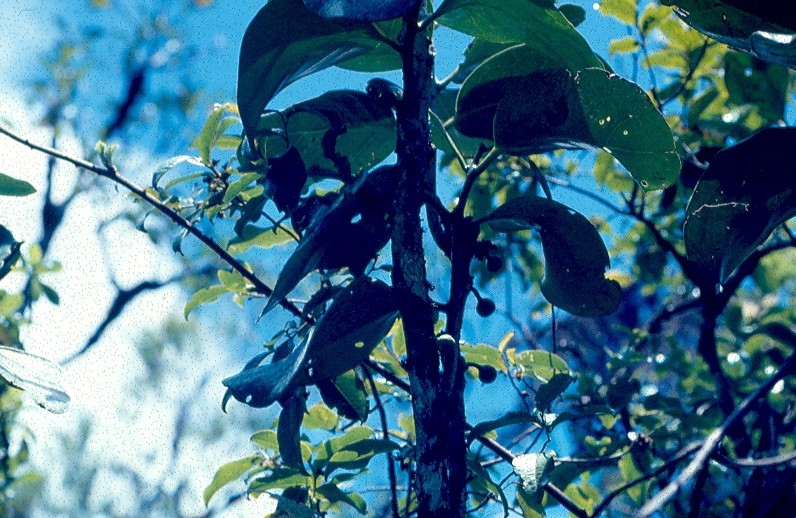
677 349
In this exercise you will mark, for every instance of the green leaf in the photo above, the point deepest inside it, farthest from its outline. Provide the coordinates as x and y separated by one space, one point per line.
213 129
356 322
530 503
539 24
319 417
288 432
260 386
622 10
254 236
11 255
39 377
358 454
204 296
279 478
340 133
266 439
575 256
328 448
285 42
483 354
533 102
548 392
12 187
170 164
575 14
741 198
347 394
509 419
480 481
228 473
542 364
239 185
766 30
334 494
362 10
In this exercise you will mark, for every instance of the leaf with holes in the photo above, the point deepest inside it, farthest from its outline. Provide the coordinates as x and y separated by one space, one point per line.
529 102
575 255
285 42
744 194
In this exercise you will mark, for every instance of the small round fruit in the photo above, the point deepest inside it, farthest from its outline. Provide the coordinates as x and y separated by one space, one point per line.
487 373
485 307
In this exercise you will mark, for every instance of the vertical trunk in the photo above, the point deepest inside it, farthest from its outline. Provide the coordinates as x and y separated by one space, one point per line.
434 374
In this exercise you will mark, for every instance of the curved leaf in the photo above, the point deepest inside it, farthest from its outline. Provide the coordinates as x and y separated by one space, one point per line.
537 23
340 133
766 30
228 473
10 251
39 377
347 394
288 432
744 194
358 319
261 386
285 42
575 256
12 187
362 10
528 102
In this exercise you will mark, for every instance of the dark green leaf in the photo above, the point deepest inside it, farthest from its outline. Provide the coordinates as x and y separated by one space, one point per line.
261 386
538 24
530 102
347 394
340 133
510 419
285 179
575 256
288 432
279 478
334 494
10 251
12 187
530 503
362 10
742 197
766 30
285 42
228 473
548 392
349 235
575 14
358 319
480 481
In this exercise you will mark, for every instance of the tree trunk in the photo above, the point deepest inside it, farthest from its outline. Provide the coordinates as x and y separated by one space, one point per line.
435 374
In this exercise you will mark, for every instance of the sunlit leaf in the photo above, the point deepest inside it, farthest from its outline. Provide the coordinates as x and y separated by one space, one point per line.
741 198
542 364
334 494
575 256
320 417
213 129
39 377
228 473
254 236
204 296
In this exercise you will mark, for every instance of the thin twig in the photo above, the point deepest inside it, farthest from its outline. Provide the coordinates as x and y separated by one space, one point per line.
472 175
113 175
713 440
386 435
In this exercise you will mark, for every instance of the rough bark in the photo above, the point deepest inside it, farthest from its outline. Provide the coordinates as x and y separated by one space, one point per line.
437 396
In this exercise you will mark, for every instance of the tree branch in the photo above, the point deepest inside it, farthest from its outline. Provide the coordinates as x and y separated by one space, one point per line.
713 440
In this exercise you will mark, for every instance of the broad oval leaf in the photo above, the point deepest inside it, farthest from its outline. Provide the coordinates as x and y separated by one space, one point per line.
347 395
285 42
358 319
542 364
338 134
744 194
539 24
529 102
575 255
362 10
39 377
12 187
228 473
766 30
548 392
